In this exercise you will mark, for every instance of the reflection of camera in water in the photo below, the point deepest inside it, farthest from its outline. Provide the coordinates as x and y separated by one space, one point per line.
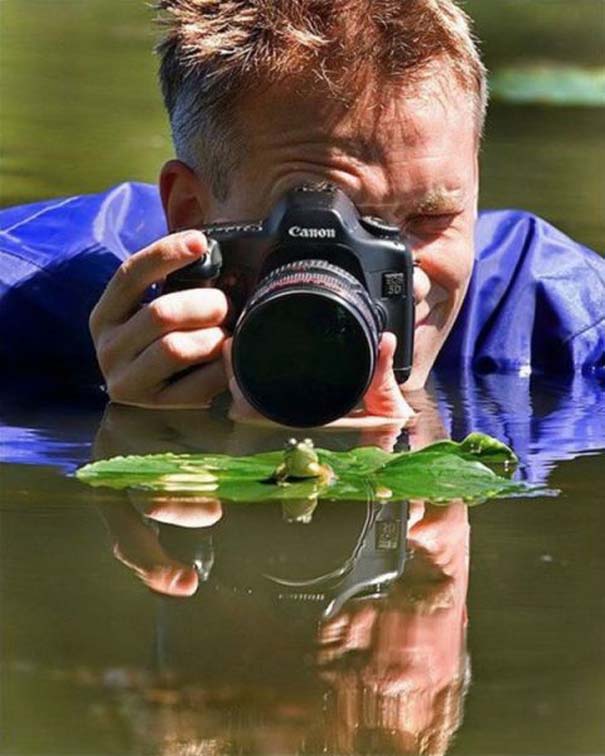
325 563
250 631
314 285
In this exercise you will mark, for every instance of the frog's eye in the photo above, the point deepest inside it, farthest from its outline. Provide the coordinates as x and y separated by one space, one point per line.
291 443
308 442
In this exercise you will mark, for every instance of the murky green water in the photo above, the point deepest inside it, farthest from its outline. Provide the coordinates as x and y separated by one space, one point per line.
95 663
81 111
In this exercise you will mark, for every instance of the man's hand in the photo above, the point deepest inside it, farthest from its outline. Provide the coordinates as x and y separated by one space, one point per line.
142 348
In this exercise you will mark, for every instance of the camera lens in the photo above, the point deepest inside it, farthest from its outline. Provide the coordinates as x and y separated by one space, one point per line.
305 346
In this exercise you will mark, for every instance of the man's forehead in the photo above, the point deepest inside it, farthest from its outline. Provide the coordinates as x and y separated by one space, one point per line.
415 152
431 123
364 124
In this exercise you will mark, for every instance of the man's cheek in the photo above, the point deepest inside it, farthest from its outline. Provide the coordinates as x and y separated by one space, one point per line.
448 265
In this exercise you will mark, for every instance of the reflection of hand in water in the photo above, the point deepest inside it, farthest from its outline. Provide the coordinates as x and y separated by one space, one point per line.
130 518
136 543
424 428
397 667
131 430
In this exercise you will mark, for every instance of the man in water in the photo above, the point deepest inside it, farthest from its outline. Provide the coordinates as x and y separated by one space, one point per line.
387 101
384 99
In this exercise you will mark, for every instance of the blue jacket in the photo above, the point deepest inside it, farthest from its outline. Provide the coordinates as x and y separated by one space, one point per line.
535 309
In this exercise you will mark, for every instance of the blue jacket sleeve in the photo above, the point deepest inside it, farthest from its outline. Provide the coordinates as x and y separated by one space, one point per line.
55 260
535 304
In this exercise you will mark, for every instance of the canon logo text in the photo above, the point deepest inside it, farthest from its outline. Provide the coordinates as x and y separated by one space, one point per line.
312 233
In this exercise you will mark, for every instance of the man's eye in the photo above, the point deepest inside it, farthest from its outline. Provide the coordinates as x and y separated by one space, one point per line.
430 223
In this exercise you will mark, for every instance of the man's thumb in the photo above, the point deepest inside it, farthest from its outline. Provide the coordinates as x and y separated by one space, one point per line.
384 397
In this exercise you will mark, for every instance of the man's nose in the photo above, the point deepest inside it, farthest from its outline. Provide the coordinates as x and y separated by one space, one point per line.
422 284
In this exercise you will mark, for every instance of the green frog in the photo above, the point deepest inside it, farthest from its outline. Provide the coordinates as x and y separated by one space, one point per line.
301 461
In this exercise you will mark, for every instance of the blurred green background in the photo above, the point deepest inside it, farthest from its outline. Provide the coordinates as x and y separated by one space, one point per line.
80 109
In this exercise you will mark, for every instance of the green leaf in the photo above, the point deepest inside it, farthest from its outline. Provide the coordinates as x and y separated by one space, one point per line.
439 473
442 476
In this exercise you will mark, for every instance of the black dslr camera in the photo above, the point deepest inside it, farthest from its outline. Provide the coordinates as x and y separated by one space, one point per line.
314 286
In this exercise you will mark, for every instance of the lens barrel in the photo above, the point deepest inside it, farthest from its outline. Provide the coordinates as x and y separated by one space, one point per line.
306 344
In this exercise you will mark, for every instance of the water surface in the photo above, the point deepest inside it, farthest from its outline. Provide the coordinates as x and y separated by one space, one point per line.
247 665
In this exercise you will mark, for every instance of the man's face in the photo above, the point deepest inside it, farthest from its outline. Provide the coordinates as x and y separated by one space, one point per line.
411 160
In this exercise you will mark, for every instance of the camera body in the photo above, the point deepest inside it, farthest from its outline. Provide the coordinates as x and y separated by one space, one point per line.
314 242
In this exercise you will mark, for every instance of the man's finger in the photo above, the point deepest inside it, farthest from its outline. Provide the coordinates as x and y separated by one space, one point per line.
124 291
384 397
166 357
179 311
196 389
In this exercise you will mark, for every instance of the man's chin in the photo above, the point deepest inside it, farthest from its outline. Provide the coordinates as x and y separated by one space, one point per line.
417 379
424 360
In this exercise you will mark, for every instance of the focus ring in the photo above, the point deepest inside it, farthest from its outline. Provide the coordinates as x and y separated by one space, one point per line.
323 275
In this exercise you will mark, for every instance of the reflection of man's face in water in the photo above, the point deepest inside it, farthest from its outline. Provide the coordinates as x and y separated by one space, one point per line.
398 668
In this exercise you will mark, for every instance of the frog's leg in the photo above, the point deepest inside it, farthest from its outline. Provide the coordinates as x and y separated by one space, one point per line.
280 474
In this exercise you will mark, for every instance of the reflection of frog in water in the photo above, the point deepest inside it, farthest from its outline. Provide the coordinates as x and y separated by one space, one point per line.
301 461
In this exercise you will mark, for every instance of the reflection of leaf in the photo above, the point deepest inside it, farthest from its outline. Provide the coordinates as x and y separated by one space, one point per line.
550 85
439 473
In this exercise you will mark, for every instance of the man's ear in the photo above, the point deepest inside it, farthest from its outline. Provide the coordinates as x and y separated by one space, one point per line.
185 197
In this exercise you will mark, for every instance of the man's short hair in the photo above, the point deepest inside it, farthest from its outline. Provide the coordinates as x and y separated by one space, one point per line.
214 51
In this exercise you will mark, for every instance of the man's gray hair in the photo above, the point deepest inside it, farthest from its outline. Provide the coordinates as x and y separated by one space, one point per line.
214 51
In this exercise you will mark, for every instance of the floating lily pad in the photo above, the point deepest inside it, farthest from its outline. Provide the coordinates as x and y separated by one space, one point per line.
439 473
